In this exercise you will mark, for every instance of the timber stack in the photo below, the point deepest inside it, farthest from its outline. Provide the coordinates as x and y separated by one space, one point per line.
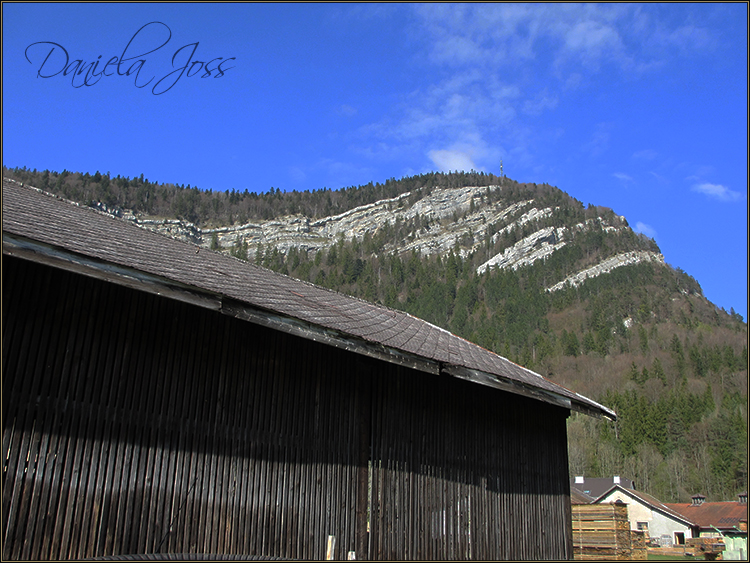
601 532
709 547
638 544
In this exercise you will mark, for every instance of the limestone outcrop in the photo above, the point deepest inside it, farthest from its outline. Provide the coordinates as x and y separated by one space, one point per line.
528 250
607 265
440 220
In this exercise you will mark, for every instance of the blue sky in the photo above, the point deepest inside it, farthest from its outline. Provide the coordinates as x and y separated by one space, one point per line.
641 108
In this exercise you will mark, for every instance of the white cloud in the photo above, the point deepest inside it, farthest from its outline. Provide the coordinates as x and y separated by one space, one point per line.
477 33
687 38
457 115
645 229
540 104
457 50
659 178
599 142
592 41
622 176
464 154
633 37
494 65
573 81
447 160
717 191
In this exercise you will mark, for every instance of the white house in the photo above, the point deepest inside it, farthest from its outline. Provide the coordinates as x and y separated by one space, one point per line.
647 514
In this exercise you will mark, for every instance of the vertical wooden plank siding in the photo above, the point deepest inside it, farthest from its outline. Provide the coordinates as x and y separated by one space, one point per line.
138 424
465 475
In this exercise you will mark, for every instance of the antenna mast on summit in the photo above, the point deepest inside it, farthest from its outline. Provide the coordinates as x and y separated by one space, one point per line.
502 174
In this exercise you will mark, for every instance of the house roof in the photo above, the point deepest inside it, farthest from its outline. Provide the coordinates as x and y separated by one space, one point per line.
579 497
42 227
593 487
649 501
710 515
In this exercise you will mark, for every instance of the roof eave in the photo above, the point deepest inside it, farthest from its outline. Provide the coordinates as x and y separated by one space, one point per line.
491 380
42 253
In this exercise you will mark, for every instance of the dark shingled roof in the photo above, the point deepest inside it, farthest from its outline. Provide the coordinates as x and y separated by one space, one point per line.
594 487
579 497
43 227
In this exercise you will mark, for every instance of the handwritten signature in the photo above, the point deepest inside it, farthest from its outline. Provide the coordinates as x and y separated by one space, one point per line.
89 73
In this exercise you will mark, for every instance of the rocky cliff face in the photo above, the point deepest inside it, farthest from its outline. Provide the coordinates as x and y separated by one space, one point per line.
459 219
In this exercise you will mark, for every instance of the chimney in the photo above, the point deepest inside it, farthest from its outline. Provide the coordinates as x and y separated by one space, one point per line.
743 498
579 479
616 479
698 500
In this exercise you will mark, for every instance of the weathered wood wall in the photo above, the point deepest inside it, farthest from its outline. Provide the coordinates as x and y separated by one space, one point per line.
138 424
499 462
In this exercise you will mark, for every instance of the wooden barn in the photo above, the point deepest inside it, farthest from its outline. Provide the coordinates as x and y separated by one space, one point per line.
159 398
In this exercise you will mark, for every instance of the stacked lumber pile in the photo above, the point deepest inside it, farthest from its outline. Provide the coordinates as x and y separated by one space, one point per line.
638 544
601 532
709 547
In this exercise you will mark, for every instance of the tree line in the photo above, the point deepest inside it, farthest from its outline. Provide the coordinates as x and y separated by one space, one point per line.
207 208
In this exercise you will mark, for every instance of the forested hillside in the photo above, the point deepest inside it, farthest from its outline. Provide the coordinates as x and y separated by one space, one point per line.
209 208
641 339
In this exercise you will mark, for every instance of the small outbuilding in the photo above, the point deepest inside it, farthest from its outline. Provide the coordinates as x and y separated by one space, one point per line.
161 398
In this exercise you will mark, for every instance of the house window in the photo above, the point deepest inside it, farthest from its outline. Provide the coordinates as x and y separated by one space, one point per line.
642 526
679 538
